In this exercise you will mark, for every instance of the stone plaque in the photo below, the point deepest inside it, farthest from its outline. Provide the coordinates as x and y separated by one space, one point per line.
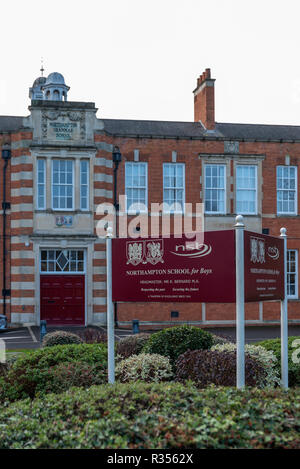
63 126
63 130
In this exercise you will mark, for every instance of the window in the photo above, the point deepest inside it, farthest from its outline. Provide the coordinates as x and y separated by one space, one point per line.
286 189
292 273
215 188
136 186
84 185
41 184
62 261
62 185
174 186
246 189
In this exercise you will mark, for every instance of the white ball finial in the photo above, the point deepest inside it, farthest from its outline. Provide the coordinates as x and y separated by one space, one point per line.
239 221
283 232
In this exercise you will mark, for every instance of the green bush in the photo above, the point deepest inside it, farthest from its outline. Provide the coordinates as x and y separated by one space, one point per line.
132 345
174 341
294 368
60 338
265 357
144 367
31 374
68 374
220 339
206 367
157 415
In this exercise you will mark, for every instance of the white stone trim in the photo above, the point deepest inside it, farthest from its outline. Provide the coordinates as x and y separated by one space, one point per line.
21 254
103 162
23 301
99 300
22 159
103 193
101 286
22 270
21 175
99 255
22 191
102 177
22 207
22 223
22 286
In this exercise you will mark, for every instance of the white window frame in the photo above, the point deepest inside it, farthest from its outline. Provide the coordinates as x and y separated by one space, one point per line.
61 272
134 211
52 184
244 189
87 185
38 184
286 190
182 165
295 296
221 212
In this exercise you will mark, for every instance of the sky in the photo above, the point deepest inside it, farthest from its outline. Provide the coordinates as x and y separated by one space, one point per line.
141 59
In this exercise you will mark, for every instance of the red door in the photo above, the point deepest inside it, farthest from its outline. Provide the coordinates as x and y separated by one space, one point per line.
62 299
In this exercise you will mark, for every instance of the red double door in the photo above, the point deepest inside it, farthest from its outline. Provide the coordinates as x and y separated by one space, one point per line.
62 299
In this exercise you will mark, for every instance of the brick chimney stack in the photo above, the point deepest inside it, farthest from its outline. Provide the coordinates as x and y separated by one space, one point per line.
204 100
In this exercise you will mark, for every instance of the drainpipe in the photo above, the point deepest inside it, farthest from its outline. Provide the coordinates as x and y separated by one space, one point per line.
6 155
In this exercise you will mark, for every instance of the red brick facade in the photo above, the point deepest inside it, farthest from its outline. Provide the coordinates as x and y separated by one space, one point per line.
193 144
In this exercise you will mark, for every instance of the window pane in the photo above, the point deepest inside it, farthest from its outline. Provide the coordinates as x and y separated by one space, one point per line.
214 176
173 186
62 185
136 184
286 189
41 185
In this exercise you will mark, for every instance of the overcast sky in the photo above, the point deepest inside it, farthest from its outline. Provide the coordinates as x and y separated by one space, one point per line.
139 59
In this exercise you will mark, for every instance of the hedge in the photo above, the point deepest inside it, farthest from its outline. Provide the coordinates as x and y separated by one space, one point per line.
174 341
36 372
294 368
160 415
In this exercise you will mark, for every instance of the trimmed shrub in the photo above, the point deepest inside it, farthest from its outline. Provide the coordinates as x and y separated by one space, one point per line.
221 339
93 336
174 341
30 375
266 358
206 367
144 367
3 369
68 374
60 338
156 415
132 345
274 345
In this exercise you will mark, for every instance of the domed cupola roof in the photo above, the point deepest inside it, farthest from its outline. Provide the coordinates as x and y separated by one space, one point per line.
55 88
36 91
55 78
39 81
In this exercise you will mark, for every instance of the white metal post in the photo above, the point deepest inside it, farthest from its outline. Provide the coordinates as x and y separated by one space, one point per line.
284 320
110 309
240 302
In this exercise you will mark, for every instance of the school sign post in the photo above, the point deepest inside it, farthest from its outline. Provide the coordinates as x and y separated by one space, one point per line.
233 266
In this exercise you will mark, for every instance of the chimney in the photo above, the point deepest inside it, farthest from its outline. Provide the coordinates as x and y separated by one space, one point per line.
204 100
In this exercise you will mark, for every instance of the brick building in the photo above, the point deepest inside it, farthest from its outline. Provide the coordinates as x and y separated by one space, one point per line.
57 167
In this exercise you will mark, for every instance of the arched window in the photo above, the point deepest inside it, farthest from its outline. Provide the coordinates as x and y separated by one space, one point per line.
56 95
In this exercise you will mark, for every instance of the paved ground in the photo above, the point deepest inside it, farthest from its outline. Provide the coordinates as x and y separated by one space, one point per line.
29 337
